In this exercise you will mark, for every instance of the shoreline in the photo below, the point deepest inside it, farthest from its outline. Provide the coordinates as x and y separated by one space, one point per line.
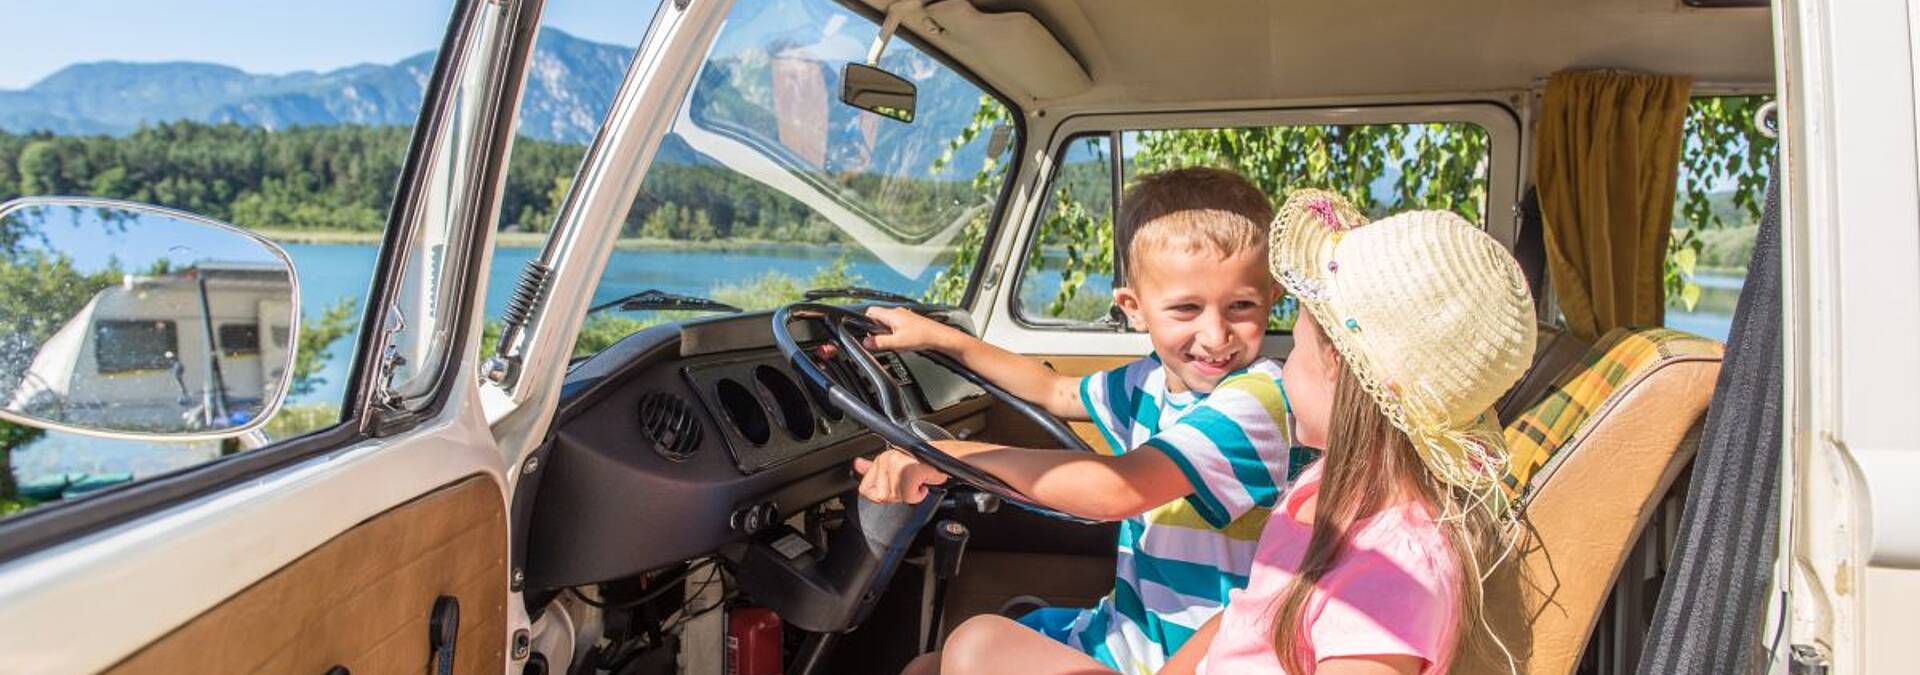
538 239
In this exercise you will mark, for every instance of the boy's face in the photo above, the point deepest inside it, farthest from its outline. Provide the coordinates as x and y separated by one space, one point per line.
1205 315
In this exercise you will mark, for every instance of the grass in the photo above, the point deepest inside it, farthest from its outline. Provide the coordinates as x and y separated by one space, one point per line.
301 418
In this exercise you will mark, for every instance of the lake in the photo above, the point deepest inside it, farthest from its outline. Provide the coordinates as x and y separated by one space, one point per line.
330 272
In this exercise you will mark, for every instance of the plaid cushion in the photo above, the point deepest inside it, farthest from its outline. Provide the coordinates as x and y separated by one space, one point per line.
1545 427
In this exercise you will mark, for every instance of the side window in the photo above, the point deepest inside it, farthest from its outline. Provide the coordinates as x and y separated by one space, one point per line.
1068 275
289 119
1069 269
1716 212
589 44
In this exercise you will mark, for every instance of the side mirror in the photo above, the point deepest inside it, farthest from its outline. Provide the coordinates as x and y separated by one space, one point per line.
878 92
131 321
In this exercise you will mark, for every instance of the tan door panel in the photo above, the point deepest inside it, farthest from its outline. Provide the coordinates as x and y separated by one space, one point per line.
363 599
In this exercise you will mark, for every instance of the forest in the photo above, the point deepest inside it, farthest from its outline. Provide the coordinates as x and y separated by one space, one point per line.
343 178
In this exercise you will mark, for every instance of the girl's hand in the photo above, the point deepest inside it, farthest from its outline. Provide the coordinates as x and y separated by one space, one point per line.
910 331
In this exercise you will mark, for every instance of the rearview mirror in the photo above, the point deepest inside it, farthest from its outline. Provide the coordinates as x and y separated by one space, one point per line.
133 321
877 91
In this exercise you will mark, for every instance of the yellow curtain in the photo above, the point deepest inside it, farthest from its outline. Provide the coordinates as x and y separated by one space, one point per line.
1608 156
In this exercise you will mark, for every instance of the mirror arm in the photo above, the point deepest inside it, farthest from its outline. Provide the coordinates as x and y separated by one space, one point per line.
887 26
254 439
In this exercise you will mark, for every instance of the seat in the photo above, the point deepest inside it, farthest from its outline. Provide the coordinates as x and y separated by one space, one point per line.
1555 352
1594 456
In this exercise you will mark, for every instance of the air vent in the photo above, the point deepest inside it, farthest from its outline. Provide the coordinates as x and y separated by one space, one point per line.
670 424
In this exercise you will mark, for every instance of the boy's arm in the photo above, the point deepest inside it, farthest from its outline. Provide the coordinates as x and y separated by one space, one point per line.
1088 485
1021 376
1227 456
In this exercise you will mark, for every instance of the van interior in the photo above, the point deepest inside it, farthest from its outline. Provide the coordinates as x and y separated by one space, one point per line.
694 466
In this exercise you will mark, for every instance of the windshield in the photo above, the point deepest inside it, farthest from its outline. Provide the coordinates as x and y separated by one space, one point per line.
768 185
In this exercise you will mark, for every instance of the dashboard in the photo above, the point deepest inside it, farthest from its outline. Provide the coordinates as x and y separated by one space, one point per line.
683 438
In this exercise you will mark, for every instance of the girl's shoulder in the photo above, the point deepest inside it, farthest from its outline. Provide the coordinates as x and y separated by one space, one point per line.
1406 543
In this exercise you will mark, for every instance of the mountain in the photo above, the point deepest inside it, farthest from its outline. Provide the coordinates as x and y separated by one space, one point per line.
568 88
570 84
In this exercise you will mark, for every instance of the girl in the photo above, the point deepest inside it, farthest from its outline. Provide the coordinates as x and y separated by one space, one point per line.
1415 325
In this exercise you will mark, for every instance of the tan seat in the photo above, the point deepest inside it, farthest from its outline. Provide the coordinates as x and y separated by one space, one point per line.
1608 439
1557 352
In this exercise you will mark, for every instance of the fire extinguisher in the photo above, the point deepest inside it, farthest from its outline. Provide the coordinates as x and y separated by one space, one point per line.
753 642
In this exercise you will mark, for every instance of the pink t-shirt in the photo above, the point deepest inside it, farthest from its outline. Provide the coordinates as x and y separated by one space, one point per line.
1393 592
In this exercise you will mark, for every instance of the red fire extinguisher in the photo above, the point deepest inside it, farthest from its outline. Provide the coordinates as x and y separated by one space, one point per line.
753 642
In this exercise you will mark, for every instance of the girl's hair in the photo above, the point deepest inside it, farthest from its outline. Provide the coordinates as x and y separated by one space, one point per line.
1369 465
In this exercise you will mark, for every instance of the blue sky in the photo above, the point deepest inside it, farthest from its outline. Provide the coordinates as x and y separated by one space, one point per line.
262 36
91 245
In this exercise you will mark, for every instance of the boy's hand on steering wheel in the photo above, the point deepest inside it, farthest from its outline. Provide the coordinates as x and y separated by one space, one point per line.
894 476
908 330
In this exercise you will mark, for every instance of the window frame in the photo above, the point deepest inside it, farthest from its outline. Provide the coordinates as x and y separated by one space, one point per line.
1506 161
1048 199
465 34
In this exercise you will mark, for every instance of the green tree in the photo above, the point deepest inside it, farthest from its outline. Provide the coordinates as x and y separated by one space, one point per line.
1381 168
37 290
950 285
334 322
1723 179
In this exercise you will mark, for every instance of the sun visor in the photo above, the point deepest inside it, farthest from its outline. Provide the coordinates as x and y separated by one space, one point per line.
1011 50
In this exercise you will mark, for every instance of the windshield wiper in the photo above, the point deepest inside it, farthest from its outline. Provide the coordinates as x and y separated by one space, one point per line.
656 299
857 293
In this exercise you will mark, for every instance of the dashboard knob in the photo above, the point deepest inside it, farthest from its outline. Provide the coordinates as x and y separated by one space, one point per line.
751 519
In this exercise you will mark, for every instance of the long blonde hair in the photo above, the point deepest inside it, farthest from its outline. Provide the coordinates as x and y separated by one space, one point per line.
1369 463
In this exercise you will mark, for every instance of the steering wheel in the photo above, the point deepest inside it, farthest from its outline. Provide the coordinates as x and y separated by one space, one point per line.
846 328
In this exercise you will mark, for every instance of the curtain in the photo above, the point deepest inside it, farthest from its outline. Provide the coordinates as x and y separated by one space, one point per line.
1608 156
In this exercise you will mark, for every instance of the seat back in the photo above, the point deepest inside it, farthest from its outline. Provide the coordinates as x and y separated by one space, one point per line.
1591 461
1555 352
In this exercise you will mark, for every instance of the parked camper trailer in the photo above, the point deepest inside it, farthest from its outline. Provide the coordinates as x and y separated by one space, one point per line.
195 348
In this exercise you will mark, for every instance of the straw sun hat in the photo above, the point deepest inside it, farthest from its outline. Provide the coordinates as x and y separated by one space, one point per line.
1430 313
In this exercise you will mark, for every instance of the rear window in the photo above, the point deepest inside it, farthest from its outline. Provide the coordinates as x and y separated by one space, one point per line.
126 346
240 339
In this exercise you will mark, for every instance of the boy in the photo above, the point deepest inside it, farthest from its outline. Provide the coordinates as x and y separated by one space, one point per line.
1202 418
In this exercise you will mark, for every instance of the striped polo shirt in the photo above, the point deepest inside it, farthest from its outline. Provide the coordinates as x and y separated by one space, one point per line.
1178 562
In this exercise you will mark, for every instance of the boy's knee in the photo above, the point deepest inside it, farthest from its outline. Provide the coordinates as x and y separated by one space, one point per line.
924 664
971 646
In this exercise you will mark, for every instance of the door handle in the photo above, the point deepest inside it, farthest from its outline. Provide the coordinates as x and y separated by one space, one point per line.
443 630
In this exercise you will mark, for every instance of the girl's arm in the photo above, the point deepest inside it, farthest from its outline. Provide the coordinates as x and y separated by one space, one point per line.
1187 660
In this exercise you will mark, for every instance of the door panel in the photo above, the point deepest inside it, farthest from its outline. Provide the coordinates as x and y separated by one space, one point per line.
363 599
105 598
